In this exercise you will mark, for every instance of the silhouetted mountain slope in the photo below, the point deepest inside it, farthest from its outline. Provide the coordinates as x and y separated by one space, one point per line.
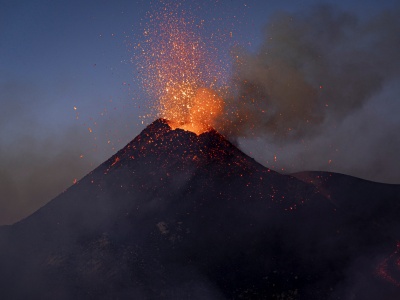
375 207
174 215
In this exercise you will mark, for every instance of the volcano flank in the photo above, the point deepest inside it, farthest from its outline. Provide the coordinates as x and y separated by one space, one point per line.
175 215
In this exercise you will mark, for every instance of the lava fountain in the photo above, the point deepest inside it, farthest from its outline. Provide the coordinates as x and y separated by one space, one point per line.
178 70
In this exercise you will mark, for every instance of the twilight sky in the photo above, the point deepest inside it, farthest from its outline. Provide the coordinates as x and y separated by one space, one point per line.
71 97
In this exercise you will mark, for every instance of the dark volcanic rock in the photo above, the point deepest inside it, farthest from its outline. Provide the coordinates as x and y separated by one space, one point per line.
174 215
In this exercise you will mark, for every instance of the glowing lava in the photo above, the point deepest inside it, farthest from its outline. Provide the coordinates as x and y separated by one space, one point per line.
178 70
198 114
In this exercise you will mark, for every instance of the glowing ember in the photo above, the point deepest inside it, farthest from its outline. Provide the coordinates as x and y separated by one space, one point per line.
115 161
179 72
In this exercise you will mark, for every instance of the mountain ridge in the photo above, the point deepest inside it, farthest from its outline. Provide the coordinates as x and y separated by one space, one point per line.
175 215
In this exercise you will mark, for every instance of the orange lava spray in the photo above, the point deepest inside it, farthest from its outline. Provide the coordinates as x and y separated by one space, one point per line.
178 70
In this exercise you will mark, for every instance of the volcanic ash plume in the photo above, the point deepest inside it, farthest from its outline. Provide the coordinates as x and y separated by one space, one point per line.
312 69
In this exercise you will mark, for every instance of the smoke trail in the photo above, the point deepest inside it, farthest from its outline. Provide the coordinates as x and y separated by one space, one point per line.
311 70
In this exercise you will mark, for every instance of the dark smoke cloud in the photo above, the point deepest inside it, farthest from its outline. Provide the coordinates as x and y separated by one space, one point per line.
313 69
321 93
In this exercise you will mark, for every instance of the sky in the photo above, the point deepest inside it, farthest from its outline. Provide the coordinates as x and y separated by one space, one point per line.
71 94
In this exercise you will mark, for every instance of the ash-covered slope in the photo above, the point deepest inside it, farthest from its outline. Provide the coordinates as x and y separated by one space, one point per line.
179 216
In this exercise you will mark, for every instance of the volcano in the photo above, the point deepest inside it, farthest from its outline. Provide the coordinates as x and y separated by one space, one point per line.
175 215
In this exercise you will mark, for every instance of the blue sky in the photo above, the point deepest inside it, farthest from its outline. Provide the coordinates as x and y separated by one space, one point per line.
57 55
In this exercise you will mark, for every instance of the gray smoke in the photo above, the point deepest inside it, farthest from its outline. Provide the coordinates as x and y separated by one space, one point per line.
321 93
312 69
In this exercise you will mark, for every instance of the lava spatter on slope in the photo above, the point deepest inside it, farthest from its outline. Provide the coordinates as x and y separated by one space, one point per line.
168 153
